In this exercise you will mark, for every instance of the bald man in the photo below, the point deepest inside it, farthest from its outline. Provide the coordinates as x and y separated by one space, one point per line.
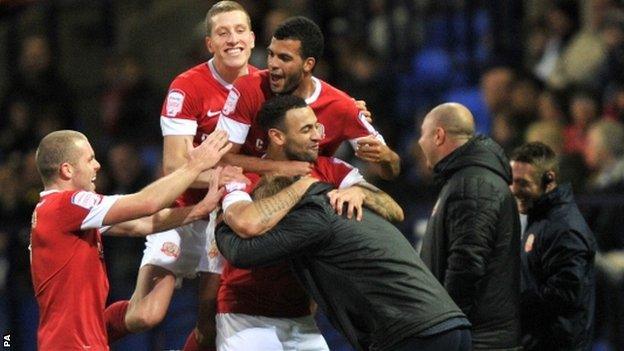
472 243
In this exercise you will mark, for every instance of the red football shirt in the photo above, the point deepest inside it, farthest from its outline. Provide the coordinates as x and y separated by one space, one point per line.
192 107
68 271
274 291
337 113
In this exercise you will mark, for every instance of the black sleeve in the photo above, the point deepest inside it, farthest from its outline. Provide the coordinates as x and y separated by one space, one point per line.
566 262
470 221
299 230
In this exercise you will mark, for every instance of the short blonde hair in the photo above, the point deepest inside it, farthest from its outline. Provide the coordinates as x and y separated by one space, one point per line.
55 149
223 7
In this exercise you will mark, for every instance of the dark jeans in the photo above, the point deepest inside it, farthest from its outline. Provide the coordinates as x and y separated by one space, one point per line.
452 340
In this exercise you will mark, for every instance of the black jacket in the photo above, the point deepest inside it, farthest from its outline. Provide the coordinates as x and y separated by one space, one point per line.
364 275
557 275
472 241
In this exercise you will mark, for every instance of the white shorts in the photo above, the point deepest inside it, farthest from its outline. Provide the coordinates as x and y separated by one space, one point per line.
243 332
185 250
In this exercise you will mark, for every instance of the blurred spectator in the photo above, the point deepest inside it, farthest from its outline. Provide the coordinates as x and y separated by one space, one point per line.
547 41
126 174
129 103
605 157
581 61
614 108
583 111
496 84
270 22
37 81
16 133
612 34
549 108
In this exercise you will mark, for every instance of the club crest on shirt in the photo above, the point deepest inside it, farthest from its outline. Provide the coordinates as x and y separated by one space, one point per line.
213 251
230 102
175 100
528 246
170 249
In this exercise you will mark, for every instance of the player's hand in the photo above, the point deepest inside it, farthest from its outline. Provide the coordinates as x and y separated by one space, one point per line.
293 168
371 149
354 197
361 105
213 196
210 151
232 174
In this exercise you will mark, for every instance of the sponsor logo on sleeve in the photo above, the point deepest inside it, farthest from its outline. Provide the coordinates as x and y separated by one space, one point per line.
86 199
175 100
230 102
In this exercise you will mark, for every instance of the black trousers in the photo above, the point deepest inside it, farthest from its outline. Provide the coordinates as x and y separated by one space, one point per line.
452 340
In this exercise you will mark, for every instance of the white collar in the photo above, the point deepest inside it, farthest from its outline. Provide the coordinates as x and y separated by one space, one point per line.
216 74
316 93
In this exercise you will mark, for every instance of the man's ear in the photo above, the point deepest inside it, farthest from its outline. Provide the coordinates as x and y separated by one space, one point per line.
308 64
440 136
276 137
208 42
66 171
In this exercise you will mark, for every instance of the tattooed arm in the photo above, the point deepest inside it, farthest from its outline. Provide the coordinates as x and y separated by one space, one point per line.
364 193
249 219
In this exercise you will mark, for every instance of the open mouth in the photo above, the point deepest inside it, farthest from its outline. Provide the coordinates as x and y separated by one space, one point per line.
234 51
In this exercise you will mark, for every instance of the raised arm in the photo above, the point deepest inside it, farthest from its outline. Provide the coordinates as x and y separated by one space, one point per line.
294 234
164 191
371 149
170 218
365 194
250 219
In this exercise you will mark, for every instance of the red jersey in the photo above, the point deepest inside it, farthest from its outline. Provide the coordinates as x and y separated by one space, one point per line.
68 271
337 113
192 107
274 291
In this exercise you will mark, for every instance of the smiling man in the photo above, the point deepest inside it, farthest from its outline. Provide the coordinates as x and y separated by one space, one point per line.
67 262
294 52
266 308
558 249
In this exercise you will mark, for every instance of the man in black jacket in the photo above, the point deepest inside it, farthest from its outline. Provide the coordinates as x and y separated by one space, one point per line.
558 250
472 240
363 274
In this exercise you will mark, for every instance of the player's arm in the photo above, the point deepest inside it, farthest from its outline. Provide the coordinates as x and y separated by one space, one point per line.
300 230
373 150
263 166
175 155
365 194
164 191
170 218
252 218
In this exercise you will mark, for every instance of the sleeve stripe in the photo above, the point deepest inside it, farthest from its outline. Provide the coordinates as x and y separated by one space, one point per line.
96 215
237 131
233 197
351 178
177 126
